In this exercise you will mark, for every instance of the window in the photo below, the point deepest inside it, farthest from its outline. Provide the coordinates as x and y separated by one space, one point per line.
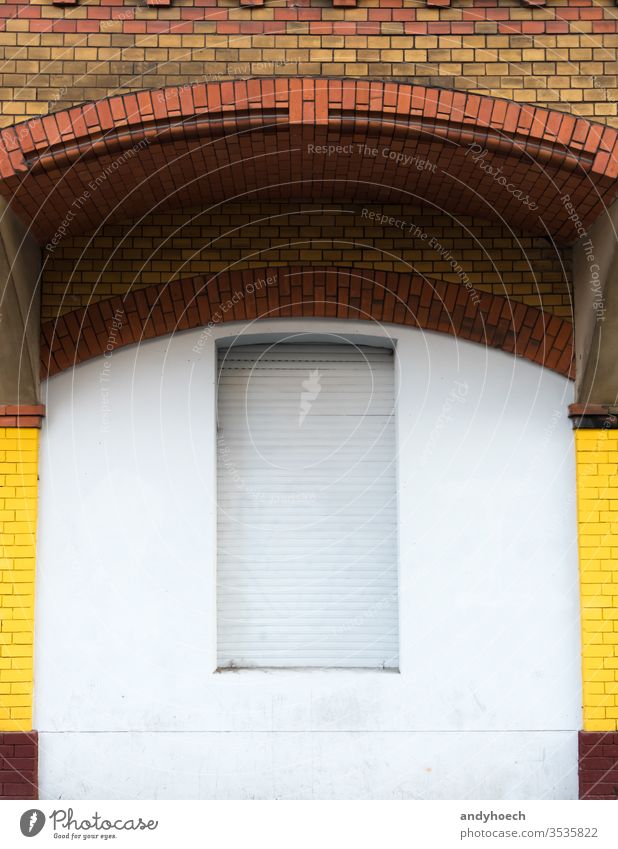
307 536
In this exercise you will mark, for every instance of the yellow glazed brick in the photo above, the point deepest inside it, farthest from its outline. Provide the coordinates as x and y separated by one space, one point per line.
18 541
17 724
596 454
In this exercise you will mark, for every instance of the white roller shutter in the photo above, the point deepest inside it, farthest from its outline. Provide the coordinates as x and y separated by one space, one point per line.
306 571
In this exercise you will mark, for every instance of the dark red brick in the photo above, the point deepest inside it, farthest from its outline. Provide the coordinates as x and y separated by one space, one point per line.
19 765
500 323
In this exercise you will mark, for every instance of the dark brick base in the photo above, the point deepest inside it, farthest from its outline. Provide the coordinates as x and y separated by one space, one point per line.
598 765
19 765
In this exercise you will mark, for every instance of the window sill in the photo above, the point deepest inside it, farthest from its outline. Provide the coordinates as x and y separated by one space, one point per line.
302 670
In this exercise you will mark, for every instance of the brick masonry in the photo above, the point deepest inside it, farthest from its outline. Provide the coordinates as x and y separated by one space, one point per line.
164 247
378 296
19 753
598 765
21 415
561 54
597 508
596 442
438 56
18 516
130 155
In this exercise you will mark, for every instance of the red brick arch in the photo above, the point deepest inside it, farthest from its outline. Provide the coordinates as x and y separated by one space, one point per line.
257 138
357 294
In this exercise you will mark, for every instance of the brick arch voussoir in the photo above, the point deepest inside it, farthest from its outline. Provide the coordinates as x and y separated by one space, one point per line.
128 118
542 154
287 292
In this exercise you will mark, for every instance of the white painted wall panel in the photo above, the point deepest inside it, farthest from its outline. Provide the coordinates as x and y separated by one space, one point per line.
349 765
489 614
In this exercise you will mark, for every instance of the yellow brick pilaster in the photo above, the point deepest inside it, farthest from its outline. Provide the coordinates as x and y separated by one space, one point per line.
18 516
597 510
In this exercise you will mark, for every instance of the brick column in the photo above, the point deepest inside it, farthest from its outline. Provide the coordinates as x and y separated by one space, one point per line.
19 444
596 444
20 420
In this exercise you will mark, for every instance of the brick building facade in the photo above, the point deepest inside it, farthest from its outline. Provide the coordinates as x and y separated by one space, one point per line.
443 167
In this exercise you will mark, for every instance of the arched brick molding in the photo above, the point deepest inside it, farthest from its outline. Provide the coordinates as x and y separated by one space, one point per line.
250 294
270 138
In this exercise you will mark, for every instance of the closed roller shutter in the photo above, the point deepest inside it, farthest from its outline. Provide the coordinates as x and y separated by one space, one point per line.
306 572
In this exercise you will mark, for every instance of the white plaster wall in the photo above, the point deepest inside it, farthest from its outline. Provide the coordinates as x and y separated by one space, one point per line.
487 700
310 765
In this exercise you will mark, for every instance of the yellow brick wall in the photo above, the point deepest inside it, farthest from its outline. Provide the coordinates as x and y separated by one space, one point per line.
56 56
597 493
166 247
18 514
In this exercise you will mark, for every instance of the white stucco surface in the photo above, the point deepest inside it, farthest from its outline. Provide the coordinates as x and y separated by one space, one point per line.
310 765
487 700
